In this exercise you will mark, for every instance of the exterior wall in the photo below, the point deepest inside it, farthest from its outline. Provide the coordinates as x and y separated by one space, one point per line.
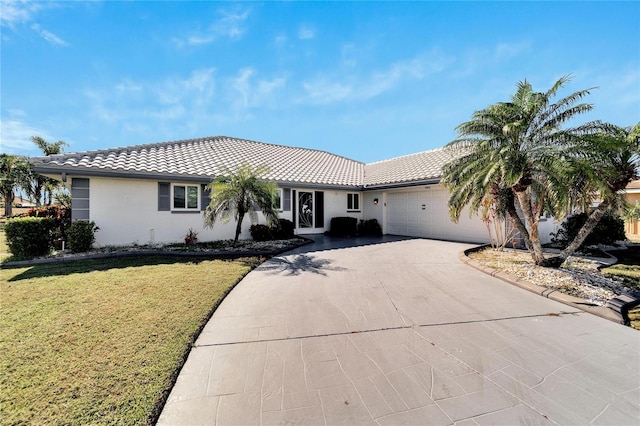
126 210
474 224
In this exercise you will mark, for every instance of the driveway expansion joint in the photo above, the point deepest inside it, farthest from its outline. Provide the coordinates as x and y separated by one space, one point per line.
403 327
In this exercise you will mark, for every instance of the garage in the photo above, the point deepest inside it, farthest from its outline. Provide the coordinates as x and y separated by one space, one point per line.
424 213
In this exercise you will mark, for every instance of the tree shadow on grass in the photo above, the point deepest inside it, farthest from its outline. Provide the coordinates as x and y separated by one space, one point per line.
296 265
104 264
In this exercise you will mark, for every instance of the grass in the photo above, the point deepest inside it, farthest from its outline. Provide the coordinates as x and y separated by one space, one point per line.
101 341
628 266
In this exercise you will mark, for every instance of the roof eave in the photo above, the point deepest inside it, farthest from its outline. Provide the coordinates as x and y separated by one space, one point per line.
395 185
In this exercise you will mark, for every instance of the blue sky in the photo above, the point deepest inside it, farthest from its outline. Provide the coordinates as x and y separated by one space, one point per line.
367 80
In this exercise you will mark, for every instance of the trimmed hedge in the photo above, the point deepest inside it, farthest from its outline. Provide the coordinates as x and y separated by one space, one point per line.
343 226
29 237
284 231
81 235
260 232
369 227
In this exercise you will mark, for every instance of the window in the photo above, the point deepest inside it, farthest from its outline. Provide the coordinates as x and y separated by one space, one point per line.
186 197
277 202
353 202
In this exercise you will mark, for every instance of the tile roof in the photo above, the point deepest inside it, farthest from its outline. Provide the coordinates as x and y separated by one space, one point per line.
208 158
422 166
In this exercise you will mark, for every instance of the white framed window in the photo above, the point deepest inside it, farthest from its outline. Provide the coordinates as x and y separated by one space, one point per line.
185 197
353 202
278 200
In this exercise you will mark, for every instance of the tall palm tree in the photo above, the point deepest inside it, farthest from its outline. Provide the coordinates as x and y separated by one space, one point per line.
608 163
518 150
238 194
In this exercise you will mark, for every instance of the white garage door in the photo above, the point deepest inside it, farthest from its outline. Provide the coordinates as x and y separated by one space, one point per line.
425 214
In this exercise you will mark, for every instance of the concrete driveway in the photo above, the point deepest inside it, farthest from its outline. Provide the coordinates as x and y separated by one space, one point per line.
401 332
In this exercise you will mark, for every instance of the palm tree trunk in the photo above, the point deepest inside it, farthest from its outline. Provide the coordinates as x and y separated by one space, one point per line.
583 233
8 205
517 222
524 199
238 227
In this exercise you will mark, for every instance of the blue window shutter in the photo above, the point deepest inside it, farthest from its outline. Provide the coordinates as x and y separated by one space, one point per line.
286 199
164 196
204 197
319 214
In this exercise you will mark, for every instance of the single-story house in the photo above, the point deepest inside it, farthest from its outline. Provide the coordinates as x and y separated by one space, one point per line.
155 193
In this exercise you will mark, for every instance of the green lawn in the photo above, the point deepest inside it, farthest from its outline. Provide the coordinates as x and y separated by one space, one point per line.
101 341
628 266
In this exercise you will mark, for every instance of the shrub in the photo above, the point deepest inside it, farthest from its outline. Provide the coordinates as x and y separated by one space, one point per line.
284 231
261 232
609 230
81 235
29 237
369 227
343 226
61 218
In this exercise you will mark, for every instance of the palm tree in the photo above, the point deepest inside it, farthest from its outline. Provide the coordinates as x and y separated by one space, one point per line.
38 183
12 172
238 194
609 161
518 151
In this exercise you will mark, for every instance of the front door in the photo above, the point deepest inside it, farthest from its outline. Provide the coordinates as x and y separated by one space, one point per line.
305 209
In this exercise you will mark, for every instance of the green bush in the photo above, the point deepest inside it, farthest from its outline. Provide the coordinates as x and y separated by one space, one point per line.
284 231
609 230
261 232
61 218
369 227
81 235
343 226
29 237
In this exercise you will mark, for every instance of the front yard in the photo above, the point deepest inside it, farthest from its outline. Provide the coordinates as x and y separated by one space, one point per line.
101 341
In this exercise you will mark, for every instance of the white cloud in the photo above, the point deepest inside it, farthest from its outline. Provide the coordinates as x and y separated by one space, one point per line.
15 136
306 32
18 12
230 25
197 100
325 89
49 36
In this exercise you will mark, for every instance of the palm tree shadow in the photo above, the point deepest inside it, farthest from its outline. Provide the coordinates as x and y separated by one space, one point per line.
296 265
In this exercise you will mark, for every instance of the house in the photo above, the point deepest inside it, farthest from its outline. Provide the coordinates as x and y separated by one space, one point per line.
155 193
632 194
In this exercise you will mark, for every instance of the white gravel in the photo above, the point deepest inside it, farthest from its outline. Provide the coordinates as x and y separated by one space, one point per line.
578 276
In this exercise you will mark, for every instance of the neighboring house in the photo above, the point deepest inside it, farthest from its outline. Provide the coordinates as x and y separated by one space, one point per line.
154 193
632 193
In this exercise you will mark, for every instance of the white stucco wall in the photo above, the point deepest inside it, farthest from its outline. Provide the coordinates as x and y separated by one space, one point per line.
126 210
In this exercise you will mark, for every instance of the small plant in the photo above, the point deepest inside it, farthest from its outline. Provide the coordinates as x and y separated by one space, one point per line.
191 238
81 235
29 237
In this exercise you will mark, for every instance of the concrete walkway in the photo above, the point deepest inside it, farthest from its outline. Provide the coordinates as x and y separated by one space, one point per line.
401 332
